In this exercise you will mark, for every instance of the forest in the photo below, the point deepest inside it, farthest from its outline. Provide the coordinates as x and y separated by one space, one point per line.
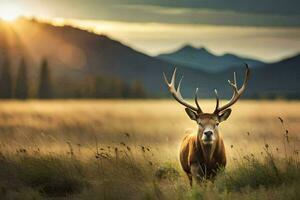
26 85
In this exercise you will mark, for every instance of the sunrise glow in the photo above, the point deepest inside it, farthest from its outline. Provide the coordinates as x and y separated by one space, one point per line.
10 12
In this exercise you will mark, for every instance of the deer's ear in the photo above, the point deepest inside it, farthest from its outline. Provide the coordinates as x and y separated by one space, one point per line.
224 115
191 114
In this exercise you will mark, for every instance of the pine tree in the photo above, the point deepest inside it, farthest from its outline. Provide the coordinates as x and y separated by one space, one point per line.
116 88
45 87
22 81
102 87
6 81
137 90
125 90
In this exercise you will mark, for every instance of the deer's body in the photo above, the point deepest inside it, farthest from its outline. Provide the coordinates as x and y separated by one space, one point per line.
202 154
195 158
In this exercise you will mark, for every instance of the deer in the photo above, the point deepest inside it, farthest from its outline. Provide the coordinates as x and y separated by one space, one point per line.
202 153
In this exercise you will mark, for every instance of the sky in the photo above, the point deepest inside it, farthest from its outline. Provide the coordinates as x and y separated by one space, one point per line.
265 29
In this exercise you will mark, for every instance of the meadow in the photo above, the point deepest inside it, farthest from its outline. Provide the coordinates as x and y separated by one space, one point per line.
113 149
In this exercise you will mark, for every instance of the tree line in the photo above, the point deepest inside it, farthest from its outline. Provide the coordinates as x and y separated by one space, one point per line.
21 86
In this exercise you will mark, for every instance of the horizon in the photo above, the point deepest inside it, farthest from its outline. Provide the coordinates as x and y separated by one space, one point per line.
104 30
149 99
275 37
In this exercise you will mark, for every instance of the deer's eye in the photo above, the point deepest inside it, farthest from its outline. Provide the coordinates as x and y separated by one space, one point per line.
217 124
200 124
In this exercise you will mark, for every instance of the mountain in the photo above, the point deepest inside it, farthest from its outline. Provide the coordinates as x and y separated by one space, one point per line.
201 58
75 55
280 79
269 81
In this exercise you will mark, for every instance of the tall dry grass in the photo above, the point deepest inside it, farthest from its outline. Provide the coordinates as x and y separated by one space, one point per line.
117 149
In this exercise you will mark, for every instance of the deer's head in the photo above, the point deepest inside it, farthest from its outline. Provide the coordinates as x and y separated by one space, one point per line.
208 122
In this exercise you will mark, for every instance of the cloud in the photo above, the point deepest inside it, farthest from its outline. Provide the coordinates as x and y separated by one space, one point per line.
268 44
200 16
214 12
279 7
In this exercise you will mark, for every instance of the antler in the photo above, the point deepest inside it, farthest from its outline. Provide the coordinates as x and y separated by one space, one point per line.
236 92
177 95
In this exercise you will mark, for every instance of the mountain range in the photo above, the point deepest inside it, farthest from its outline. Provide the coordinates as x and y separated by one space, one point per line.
202 59
74 54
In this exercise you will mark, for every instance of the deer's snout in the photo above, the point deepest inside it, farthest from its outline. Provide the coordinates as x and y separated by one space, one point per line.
208 136
208 133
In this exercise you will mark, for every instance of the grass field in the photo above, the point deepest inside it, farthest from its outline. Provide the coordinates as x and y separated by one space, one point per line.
129 150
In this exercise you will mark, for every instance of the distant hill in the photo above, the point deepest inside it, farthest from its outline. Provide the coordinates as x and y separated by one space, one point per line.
202 59
74 55
280 79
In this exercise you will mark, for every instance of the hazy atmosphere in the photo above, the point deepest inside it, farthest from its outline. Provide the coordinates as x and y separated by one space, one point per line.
149 99
249 28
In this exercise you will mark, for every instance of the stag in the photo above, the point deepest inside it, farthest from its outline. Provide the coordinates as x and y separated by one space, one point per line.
202 154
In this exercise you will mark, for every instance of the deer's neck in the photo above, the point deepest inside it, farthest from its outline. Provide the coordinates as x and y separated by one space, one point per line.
206 153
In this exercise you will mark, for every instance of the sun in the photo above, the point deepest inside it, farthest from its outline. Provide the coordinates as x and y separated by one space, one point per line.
9 12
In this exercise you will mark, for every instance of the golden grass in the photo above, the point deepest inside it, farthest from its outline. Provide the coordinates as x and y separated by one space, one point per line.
50 124
81 127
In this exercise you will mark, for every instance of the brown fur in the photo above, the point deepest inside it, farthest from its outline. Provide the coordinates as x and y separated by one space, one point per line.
201 155
192 154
